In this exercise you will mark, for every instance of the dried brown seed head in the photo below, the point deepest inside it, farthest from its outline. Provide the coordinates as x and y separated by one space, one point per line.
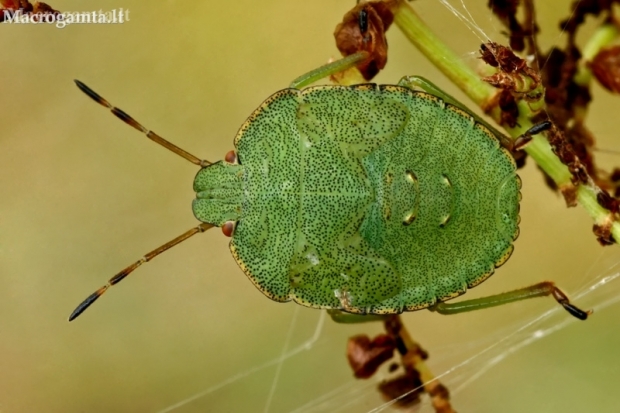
363 29
606 68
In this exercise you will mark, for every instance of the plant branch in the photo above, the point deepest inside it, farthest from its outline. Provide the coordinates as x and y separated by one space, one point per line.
602 37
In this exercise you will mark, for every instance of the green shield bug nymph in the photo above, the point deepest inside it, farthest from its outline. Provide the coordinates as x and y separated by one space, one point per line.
367 199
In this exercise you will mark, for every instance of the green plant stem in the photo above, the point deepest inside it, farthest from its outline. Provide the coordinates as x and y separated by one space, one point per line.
482 93
603 36
440 54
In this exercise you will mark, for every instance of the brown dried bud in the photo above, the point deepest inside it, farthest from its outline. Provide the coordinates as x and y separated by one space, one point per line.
606 68
26 7
501 57
501 81
10 4
366 356
510 110
569 192
603 234
440 391
408 383
363 29
606 201
514 74
581 173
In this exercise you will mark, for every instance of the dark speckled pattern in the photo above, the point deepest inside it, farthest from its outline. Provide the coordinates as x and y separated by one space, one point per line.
370 199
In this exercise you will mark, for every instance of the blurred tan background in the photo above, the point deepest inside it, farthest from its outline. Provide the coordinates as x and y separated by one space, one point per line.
83 195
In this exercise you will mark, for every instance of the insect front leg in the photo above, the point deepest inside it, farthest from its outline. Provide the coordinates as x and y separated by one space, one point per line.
329 69
425 85
513 145
420 83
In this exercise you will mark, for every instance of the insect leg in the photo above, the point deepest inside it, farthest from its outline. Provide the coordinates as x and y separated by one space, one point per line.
124 273
328 70
518 143
522 140
347 318
135 124
542 289
421 83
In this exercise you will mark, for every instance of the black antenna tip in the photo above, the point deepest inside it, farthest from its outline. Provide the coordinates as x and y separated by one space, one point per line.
91 93
86 303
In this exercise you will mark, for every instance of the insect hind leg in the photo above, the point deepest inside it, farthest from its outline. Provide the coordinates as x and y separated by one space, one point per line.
542 289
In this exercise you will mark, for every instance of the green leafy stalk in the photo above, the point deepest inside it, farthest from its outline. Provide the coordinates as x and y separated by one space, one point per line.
482 94
602 37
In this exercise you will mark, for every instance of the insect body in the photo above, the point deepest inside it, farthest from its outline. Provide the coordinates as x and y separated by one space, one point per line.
365 199
371 199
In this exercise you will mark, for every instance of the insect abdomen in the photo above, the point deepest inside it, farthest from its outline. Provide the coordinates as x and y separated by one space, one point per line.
459 216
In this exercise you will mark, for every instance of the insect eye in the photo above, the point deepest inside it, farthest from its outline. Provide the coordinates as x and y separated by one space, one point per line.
231 157
228 228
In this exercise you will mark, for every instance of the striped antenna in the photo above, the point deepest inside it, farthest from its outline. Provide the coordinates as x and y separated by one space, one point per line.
124 273
132 122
